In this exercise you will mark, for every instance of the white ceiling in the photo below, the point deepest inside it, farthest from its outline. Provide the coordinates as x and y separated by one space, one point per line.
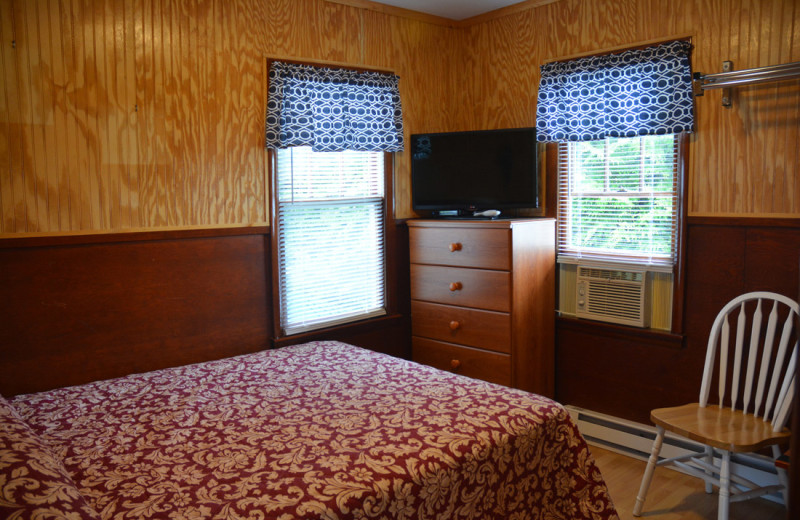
452 9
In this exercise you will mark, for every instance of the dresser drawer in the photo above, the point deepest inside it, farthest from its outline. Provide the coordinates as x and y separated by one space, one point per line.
466 361
461 247
476 328
459 286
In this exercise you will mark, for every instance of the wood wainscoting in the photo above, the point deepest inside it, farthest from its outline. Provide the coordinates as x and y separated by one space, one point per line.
77 309
626 372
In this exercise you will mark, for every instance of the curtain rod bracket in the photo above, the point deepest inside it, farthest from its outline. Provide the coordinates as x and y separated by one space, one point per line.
697 84
727 66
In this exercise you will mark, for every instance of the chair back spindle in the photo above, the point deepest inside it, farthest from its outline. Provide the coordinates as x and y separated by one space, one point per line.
755 333
737 362
763 391
723 363
780 360
784 402
766 357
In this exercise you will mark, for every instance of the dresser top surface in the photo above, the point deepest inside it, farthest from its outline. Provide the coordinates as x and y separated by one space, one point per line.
502 223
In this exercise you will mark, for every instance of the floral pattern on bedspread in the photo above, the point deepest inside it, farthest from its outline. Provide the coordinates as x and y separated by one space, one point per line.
322 430
34 485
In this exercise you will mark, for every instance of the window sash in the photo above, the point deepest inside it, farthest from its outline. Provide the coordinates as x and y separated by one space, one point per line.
597 179
330 226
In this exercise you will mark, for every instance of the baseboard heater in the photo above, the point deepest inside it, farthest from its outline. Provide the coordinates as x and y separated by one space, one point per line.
636 440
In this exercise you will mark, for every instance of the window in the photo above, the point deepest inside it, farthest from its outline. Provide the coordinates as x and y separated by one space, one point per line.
618 200
618 120
331 130
330 221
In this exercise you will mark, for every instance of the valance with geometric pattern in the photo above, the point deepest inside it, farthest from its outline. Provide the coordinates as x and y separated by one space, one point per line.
636 92
333 110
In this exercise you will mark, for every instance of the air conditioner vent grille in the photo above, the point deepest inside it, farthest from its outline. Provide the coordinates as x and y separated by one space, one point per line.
612 295
614 299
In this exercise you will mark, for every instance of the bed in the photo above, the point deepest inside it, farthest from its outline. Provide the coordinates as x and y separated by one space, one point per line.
322 430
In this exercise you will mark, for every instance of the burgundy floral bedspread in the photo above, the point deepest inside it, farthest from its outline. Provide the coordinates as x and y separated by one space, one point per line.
322 430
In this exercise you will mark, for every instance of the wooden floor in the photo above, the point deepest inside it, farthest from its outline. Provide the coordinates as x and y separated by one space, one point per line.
672 495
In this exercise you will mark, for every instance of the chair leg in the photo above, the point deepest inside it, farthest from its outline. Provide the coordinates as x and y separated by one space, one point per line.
709 460
724 486
783 478
648 472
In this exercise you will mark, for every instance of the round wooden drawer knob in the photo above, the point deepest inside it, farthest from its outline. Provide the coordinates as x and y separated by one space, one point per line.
455 246
454 325
455 286
454 363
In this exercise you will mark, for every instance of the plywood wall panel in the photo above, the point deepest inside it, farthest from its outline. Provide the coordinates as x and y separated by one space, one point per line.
710 118
219 124
512 62
744 159
342 43
293 29
9 138
86 56
148 114
18 118
428 60
131 142
786 146
60 129
201 149
44 82
144 116
227 98
251 109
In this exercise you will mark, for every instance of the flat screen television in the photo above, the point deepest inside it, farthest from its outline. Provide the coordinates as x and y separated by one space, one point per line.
460 173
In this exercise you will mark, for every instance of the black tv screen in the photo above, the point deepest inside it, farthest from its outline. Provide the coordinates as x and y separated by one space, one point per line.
475 171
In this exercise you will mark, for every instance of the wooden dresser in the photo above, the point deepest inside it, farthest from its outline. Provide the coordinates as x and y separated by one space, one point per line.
483 299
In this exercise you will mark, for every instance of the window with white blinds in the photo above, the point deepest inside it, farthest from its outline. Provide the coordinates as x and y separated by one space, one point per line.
618 200
330 226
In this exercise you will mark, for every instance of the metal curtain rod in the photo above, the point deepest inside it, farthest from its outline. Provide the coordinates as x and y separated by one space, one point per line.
730 78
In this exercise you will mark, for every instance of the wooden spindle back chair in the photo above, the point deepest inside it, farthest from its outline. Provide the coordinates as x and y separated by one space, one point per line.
755 341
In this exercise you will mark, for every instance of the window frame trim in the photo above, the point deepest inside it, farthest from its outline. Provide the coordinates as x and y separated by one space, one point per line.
390 246
679 266
568 253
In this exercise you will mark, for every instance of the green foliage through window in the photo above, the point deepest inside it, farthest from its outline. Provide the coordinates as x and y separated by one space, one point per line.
618 198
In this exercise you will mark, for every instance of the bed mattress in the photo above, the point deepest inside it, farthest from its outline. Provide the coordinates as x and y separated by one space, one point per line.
322 430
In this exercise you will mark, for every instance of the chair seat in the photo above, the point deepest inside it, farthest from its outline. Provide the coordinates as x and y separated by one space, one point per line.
722 428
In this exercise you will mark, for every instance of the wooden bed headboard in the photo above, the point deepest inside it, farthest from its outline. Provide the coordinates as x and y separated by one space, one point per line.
90 307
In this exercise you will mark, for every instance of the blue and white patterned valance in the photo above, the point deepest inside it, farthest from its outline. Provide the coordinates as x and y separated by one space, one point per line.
637 92
333 109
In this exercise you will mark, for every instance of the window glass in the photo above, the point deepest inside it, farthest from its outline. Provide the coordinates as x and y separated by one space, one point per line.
618 199
330 225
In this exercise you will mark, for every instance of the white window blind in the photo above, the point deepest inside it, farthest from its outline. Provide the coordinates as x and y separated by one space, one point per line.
330 225
618 200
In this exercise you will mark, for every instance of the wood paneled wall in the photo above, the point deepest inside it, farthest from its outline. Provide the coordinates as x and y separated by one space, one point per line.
123 114
745 160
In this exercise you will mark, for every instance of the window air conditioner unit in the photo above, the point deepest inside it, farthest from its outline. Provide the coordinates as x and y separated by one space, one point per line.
613 295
